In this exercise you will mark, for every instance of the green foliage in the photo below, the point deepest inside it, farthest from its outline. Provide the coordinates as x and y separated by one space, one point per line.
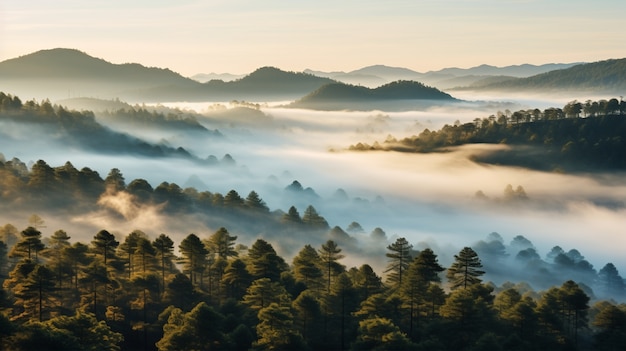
356 309
194 257
222 244
381 334
561 137
199 329
313 220
276 330
343 96
264 292
330 254
306 268
78 332
399 259
465 271
264 262
29 246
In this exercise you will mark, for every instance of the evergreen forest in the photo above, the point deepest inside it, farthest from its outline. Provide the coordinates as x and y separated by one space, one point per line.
268 279
579 137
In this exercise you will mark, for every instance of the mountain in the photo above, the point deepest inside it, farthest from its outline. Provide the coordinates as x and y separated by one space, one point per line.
264 84
377 75
65 73
598 77
519 71
370 76
274 80
395 95
389 73
58 73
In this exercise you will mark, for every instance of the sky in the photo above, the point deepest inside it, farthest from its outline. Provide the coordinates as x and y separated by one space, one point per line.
238 36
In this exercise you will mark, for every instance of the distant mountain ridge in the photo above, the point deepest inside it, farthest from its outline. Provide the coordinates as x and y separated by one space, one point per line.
376 75
603 76
65 73
71 63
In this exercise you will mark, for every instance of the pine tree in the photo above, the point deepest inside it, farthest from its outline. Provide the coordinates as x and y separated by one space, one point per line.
104 245
313 220
263 292
164 247
330 254
465 271
29 246
222 244
194 256
236 279
306 268
292 217
59 241
254 202
422 271
399 259
264 262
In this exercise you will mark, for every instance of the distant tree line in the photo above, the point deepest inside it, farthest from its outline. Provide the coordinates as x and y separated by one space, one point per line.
144 118
579 135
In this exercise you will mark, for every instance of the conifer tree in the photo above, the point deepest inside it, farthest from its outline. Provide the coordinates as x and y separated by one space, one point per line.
313 220
104 245
29 245
465 270
222 244
164 247
330 254
399 259
236 279
254 202
306 268
292 217
194 256
264 262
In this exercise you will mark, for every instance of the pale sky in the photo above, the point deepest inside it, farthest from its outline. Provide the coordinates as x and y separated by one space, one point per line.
238 36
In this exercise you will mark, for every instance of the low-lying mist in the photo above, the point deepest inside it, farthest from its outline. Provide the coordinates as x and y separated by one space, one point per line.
431 199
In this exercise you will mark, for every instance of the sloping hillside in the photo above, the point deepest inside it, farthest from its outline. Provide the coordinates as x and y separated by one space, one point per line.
604 76
395 94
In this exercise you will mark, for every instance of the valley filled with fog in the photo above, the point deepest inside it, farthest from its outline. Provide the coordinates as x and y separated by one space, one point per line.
428 198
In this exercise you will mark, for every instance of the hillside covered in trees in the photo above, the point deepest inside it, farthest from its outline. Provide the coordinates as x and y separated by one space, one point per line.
399 94
578 137
80 129
228 290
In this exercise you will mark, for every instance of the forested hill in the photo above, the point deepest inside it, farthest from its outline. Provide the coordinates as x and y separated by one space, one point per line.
54 124
345 96
553 139
603 76
219 290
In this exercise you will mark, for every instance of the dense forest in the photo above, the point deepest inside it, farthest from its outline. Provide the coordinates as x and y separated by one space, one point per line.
578 137
141 291
269 279
135 292
80 129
